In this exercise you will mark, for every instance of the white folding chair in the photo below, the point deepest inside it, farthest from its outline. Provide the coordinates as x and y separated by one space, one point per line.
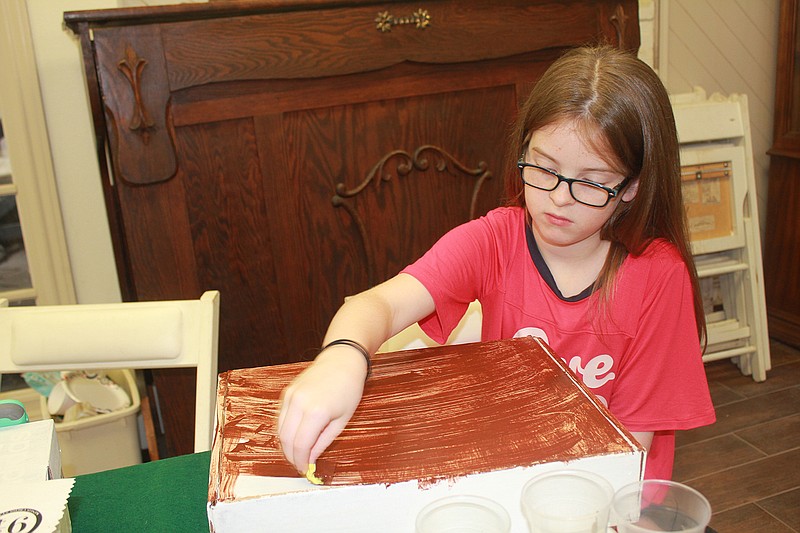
719 192
134 335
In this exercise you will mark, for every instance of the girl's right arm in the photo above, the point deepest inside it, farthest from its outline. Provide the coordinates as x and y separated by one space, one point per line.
317 405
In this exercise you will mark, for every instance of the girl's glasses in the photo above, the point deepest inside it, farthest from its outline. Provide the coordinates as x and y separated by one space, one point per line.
583 191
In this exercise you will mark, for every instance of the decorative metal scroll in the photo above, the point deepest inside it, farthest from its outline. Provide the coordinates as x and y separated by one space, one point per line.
420 19
419 160
132 67
619 20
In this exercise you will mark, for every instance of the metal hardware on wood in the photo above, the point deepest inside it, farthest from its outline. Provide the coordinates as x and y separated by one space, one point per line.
420 19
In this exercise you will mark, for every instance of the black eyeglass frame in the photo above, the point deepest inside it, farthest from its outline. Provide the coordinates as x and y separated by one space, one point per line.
612 192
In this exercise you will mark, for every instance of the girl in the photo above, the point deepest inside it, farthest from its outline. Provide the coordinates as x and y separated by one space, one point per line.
592 255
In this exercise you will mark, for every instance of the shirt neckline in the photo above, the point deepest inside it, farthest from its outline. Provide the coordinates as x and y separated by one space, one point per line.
544 270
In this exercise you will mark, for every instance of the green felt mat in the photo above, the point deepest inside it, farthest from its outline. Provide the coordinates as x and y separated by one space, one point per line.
167 495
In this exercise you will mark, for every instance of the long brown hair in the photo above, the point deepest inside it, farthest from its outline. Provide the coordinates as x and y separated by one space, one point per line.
611 91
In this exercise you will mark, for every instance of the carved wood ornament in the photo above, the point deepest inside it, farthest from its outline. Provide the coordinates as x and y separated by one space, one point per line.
132 67
406 164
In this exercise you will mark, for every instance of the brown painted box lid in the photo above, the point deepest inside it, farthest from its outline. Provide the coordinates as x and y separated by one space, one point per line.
426 415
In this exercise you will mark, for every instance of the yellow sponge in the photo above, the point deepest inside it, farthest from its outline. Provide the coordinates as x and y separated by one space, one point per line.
312 468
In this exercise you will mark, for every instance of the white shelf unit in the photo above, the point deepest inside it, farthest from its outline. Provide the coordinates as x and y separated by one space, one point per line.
720 195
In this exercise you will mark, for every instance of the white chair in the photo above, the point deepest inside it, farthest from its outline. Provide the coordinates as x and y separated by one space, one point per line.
134 335
719 191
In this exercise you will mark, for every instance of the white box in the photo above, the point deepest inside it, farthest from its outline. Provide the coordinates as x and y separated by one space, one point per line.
31 489
28 453
477 419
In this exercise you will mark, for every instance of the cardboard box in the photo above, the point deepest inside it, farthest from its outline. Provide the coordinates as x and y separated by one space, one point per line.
478 419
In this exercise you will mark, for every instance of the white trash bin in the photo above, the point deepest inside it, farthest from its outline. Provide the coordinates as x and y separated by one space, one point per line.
104 441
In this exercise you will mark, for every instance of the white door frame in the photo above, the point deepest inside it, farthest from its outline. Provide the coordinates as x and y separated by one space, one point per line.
33 176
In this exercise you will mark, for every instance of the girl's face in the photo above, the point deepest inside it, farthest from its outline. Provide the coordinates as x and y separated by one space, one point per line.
557 218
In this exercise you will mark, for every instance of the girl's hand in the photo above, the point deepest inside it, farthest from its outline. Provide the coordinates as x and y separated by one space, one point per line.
317 405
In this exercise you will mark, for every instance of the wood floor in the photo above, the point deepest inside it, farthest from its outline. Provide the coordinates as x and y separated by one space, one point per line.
748 463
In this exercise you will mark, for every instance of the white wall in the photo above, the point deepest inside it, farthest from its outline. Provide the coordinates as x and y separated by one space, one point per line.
729 46
71 134
70 131
648 33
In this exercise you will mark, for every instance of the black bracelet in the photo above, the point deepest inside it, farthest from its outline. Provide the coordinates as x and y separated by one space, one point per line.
357 346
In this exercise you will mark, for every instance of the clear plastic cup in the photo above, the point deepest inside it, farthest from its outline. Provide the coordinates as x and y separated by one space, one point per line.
567 501
463 514
660 505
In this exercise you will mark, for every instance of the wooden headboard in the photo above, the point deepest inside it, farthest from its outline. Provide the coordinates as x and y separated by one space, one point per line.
290 153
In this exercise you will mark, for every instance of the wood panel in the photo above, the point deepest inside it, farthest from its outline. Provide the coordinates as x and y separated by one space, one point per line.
745 465
748 518
712 455
785 506
782 246
292 153
340 41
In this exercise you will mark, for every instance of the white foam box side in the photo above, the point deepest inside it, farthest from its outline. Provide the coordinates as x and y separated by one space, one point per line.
393 507
29 453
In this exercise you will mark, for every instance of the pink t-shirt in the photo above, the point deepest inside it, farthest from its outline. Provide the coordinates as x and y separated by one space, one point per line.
641 358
